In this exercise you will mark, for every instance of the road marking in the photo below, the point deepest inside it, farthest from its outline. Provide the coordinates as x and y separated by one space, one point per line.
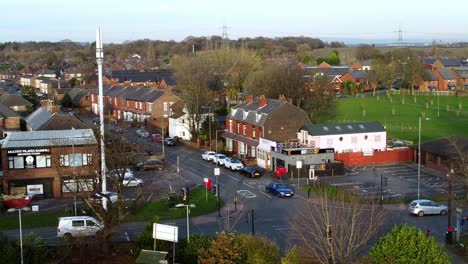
234 178
248 185
265 194
246 193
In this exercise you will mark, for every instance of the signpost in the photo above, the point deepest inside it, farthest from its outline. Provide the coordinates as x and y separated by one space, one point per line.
167 233
207 184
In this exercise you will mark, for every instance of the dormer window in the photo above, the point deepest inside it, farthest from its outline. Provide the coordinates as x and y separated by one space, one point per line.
233 112
257 117
245 114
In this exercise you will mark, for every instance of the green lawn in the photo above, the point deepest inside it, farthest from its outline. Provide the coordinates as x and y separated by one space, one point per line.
160 208
144 213
401 119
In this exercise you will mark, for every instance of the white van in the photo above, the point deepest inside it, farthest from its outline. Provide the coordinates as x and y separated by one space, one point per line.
78 226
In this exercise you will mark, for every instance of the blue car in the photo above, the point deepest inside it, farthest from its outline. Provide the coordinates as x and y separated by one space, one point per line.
280 189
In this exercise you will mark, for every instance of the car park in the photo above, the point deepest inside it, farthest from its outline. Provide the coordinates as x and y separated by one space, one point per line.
154 164
116 129
78 226
97 197
251 171
156 137
131 181
219 158
280 189
169 141
233 163
142 133
426 207
208 155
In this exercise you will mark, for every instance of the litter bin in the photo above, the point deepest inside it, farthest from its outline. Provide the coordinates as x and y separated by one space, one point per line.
448 237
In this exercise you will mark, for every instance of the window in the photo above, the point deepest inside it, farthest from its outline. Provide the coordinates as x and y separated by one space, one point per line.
76 159
244 129
245 114
16 162
90 223
79 185
165 106
87 159
141 105
78 223
43 161
252 151
261 154
377 138
253 132
238 128
354 140
230 126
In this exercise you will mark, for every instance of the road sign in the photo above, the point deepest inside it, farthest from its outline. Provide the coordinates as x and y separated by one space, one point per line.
459 210
217 171
207 183
165 232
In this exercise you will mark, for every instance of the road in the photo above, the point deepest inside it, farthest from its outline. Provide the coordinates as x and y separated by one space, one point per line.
272 214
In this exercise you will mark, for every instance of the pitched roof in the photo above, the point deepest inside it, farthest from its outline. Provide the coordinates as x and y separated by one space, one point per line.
462 71
76 94
446 73
447 62
134 93
11 100
6 112
252 113
39 117
428 75
443 146
147 76
62 122
343 128
49 138
358 74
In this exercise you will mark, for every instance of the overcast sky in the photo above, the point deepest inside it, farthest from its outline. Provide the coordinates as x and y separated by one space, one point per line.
77 20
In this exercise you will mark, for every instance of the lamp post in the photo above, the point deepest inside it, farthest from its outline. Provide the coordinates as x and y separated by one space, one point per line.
419 154
187 207
20 227
449 219
100 61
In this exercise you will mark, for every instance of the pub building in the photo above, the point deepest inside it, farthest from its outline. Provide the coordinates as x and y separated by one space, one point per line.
50 164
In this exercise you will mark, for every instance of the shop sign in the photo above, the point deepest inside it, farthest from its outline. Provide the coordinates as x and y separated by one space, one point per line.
27 152
35 189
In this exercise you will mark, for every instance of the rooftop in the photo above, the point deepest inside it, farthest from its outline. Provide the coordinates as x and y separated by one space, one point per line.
49 138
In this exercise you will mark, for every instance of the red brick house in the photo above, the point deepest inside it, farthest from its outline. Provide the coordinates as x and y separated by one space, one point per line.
275 120
430 82
136 104
359 77
447 79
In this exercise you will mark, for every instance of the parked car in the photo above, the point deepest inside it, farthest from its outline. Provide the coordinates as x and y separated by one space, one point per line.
280 189
97 197
154 164
219 158
156 137
426 207
131 181
208 155
116 129
233 163
252 171
78 226
169 141
140 157
142 133
121 172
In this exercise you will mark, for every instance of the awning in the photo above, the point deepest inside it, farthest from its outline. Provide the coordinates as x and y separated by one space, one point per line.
243 139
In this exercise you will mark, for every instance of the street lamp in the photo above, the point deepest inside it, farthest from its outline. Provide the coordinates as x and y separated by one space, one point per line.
449 222
419 154
187 206
20 226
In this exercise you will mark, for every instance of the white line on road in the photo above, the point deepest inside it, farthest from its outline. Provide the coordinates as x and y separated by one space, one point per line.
233 178
248 185
265 194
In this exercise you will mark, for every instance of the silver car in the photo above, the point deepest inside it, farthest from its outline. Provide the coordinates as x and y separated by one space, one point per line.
426 207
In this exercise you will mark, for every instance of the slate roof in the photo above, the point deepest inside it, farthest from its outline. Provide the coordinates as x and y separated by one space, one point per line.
254 114
76 94
334 71
134 93
442 146
49 138
62 122
343 128
447 62
148 76
446 73
462 71
6 112
360 74
11 100
428 75
39 117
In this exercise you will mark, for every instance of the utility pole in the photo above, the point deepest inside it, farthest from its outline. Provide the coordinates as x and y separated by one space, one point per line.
419 155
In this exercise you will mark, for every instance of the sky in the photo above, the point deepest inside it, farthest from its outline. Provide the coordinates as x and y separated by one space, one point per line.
368 20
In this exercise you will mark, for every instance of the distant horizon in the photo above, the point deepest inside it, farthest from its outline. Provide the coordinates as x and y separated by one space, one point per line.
368 21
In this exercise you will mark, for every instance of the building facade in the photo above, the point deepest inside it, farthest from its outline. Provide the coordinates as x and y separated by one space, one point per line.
52 164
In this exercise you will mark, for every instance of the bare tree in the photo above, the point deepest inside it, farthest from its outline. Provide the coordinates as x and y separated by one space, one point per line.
458 148
335 227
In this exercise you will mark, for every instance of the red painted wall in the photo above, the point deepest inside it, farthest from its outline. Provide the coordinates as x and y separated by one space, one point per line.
379 157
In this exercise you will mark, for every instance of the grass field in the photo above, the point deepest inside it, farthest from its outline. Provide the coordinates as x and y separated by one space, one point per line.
399 115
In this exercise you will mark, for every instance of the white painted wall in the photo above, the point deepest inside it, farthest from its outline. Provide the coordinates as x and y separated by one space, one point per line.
365 142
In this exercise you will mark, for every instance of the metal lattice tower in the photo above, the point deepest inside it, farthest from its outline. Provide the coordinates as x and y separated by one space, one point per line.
225 41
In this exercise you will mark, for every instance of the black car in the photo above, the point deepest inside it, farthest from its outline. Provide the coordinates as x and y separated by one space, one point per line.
252 171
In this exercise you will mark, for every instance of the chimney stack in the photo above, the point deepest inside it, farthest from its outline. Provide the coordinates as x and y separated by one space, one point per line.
262 101
249 99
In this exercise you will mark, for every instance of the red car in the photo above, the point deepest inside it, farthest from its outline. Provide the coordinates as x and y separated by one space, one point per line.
156 137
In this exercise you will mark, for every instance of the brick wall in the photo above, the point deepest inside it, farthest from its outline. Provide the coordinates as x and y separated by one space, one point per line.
379 157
